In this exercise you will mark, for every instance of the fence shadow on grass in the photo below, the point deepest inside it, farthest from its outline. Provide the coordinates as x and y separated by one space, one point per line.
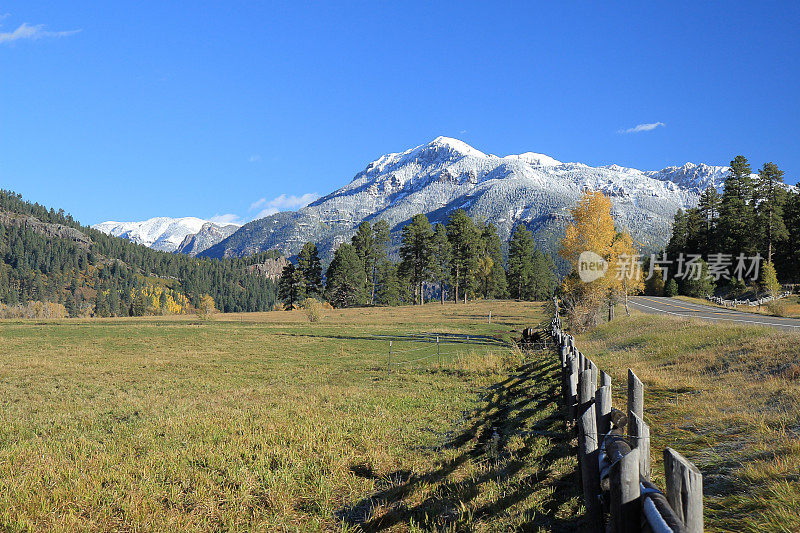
532 487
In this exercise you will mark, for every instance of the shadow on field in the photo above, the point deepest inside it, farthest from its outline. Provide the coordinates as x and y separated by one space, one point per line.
531 485
425 338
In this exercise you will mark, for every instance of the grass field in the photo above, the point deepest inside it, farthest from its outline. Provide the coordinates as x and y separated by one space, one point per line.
267 422
728 398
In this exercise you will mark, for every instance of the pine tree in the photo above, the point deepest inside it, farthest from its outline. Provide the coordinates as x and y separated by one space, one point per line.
382 238
416 253
770 196
788 253
494 280
709 205
310 268
543 283
671 288
290 286
389 290
345 279
364 244
700 285
442 251
520 263
736 211
465 241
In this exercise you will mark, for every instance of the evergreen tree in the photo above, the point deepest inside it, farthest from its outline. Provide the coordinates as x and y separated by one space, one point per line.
382 239
671 288
364 244
788 253
465 241
708 206
389 289
770 195
440 266
520 263
345 278
310 268
416 254
493 274
736 211
700 285
543 283
290 286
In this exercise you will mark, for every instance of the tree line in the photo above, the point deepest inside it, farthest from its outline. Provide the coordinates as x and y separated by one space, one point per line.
113 276
755 214
457 260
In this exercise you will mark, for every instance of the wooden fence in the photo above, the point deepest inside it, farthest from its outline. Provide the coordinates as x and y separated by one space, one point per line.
752 303
614 454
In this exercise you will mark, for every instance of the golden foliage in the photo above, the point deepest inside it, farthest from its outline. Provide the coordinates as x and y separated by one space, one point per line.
593 230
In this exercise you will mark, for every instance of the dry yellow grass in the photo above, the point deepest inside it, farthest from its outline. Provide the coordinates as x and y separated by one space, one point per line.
726 396
267 422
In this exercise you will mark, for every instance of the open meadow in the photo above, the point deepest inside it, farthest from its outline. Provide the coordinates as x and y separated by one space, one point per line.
265 421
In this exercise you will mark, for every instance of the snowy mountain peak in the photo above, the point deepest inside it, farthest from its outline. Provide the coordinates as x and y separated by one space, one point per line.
160 233
532 158
455 145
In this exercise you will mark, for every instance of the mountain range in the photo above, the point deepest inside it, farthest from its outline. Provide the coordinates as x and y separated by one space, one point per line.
437 178
189 235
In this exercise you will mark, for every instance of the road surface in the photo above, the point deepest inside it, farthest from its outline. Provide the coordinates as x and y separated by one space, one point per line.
674 307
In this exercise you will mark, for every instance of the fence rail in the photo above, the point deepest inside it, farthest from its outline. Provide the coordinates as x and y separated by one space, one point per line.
752 303
614 453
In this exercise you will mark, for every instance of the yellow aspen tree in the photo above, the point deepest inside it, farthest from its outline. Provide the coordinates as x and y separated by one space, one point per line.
592 234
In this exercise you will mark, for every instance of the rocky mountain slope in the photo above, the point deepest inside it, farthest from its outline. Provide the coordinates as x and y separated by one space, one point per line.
448 174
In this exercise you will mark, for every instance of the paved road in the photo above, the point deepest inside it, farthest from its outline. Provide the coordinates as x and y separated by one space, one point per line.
672 306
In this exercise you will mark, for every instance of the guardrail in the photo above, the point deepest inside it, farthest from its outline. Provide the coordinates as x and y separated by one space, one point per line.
614 454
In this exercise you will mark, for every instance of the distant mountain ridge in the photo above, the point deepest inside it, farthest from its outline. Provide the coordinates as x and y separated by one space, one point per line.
187 234
447 174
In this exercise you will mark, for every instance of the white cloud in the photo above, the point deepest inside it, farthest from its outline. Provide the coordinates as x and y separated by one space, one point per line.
26 31
255 158
643 127
281 203
227 218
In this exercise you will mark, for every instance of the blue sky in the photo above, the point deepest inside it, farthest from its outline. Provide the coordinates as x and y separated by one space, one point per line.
129 110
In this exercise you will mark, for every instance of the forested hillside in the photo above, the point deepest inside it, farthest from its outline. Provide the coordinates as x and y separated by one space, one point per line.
48 257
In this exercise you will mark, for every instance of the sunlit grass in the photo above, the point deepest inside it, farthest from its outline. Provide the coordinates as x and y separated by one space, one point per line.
728 398
265 421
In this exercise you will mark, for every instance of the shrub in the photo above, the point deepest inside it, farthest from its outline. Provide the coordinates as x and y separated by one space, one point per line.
778 308
313 309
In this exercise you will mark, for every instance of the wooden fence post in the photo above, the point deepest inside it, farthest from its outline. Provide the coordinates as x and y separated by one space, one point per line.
573 386
640 438
603 410
635 395
684 490
588 454
605 379
625 492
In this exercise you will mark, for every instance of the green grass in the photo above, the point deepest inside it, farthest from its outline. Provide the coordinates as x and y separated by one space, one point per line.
266 422
728 398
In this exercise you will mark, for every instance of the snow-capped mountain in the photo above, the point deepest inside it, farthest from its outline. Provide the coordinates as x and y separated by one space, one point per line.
170 234
447 174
